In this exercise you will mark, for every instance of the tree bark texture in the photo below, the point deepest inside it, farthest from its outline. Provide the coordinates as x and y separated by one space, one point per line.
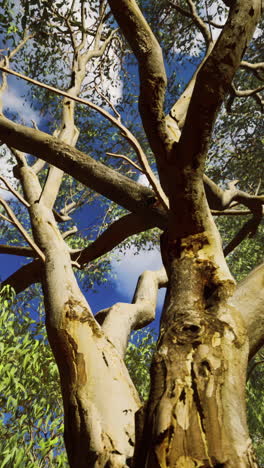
196 413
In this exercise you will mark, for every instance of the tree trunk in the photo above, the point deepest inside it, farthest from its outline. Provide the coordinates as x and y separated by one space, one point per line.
196 415
98 396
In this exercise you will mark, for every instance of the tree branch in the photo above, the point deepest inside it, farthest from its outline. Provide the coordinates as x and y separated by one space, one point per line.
124 131
38 165
117 232
18 250
252 66
14 192
25 276
249 301
104 180
249 228
176 118
120 230
119 320
214 79
153 80
193 14
219 199
22 231
121 156
245 92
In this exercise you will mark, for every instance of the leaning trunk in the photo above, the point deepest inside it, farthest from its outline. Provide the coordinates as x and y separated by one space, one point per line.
98 396
196 413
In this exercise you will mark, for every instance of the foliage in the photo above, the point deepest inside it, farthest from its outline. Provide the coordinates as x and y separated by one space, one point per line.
138 359
255 405
31 429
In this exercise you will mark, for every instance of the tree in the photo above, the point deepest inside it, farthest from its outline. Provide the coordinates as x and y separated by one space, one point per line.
210 327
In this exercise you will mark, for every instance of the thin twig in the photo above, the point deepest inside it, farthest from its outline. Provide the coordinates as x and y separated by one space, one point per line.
196 19
6 218
20 228
121 156
14 192
109 103
246 92
230 212
70 232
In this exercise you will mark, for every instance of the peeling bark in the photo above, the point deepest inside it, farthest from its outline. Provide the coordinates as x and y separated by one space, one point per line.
196 411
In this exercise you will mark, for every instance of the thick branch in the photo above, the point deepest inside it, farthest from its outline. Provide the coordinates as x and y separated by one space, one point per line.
120 230
119 320
95 175
24 277
249 228
153 80
115 121
219 199
214 79
249 300
104 180
176 118
18 250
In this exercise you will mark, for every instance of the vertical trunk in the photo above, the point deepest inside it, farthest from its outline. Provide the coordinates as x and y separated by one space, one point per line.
196 412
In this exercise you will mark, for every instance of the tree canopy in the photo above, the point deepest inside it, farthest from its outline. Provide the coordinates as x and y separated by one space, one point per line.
113 91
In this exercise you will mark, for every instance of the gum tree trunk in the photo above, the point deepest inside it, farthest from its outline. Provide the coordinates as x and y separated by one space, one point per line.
196 415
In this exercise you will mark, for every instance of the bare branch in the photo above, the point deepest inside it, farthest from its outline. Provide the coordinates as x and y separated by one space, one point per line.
21 44
14 192
213 81
117 232
214 24
18 250
193 14
176 118
255 68
114 155
249 228
25 276
220 199
20 228
109 103
19 155
70 232
246 92
231 212
252 66
124 131
153 80
104 180
110 238
119 320
38 166
5 218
